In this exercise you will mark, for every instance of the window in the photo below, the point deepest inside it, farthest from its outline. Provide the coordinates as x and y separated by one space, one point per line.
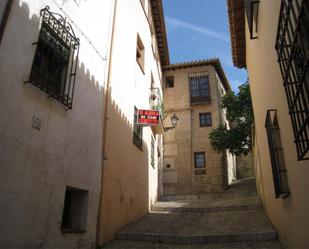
140 53
199 160
137 132
199 88
252 13
169 81
276 155
205 119
53 68
292 47
74 217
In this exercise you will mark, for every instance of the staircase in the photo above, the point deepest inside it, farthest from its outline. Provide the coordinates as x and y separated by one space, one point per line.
230 220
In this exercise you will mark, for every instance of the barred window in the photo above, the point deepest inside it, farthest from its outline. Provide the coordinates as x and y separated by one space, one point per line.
55 60
292 47
137 131
276 155
199 88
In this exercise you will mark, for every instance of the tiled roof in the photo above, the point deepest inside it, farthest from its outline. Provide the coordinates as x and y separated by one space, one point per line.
236 14
214 62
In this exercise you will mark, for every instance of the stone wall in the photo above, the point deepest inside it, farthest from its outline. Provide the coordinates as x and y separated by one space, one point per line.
180 175
244 166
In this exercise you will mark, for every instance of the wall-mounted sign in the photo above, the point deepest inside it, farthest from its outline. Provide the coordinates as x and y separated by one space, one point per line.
148 117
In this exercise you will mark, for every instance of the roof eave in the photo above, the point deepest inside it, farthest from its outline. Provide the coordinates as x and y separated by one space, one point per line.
215 62
159 22
236 15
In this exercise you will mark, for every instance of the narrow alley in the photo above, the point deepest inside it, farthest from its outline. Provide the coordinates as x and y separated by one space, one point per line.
154 124
233 219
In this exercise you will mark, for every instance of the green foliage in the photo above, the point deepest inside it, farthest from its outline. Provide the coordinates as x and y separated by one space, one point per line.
237 138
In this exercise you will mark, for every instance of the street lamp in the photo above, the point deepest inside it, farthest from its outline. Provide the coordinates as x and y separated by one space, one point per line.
174 120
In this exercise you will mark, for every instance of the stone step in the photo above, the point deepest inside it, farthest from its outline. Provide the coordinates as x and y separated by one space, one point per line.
148 245
200 228
202 206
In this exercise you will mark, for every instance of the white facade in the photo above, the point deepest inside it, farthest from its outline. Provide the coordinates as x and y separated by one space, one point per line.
45 148
130 180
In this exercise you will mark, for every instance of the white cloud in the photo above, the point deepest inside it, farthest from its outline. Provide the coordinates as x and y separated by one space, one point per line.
211 33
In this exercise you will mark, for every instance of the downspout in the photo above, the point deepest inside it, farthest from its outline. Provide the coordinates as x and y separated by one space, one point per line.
105 122
5 18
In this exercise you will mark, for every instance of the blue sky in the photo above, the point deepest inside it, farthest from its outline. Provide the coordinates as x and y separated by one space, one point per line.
198 29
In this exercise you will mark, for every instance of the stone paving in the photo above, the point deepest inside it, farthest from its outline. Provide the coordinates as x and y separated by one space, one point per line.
229 220
149 245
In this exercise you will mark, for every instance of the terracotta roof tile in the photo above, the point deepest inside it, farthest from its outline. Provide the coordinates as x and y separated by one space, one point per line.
213 61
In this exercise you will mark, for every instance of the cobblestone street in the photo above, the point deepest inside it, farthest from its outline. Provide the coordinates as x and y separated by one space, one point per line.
233 219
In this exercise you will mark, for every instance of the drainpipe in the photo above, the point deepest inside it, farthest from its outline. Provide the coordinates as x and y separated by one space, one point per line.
5 18
105 121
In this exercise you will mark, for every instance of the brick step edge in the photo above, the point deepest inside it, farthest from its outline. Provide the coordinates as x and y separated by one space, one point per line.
206 209
193 240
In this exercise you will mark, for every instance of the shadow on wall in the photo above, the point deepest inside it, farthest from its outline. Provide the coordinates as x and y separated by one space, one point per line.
37 163
125 177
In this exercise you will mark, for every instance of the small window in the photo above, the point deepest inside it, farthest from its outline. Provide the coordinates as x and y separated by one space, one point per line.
169 81
150 19
252 13
205 119
199 88
55 60
140 53
137 132
168 166
276 155
199 160
75 210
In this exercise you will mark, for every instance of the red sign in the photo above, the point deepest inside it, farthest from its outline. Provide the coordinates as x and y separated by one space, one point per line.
148 117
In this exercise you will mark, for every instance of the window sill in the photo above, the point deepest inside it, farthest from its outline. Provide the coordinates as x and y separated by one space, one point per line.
67 230
201 171
201 103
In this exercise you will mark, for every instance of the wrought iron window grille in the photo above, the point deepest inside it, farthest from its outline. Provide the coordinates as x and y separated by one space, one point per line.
276 155
292 45
56 58
252 13
137 132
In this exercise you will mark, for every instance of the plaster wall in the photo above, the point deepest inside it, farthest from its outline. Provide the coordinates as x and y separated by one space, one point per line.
290 215
37 165
130 184
180 144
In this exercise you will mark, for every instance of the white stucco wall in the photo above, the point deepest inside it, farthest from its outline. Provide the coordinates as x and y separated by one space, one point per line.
130 182
37 165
